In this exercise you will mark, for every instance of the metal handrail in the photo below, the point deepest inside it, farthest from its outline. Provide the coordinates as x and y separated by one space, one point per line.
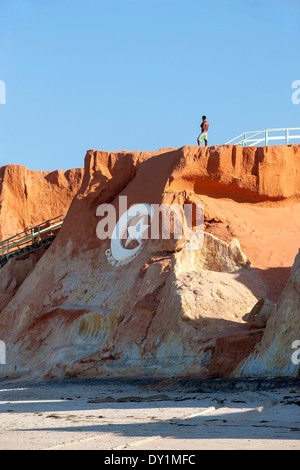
250 141
20 240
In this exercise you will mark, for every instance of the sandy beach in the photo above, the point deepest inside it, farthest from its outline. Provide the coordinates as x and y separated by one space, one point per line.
131 415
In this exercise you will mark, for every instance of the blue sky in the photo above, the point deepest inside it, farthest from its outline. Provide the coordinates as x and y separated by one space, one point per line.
139 74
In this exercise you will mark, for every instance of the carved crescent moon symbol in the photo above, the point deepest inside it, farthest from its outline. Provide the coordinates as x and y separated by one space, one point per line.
117 250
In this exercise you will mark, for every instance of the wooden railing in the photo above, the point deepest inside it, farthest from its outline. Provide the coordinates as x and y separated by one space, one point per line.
30 238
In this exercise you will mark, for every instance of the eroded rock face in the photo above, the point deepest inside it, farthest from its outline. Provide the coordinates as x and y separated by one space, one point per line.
14 273
134 324
171 310
260 313
29 197
273 355
243 173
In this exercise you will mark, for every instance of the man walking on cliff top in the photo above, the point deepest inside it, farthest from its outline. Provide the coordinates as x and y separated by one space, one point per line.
204 128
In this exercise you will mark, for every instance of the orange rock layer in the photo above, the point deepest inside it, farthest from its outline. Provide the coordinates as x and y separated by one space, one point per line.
29 197
169 311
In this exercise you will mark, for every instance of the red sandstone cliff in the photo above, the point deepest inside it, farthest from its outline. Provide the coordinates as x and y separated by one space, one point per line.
169 309
29 197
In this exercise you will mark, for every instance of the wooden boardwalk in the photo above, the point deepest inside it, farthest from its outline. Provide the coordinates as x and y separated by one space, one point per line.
29 240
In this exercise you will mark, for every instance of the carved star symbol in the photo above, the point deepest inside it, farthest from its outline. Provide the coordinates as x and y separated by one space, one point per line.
135 232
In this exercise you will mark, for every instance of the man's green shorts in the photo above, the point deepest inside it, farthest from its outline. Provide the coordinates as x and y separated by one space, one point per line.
202 136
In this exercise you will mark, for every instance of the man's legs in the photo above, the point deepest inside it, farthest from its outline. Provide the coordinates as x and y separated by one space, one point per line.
202 136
